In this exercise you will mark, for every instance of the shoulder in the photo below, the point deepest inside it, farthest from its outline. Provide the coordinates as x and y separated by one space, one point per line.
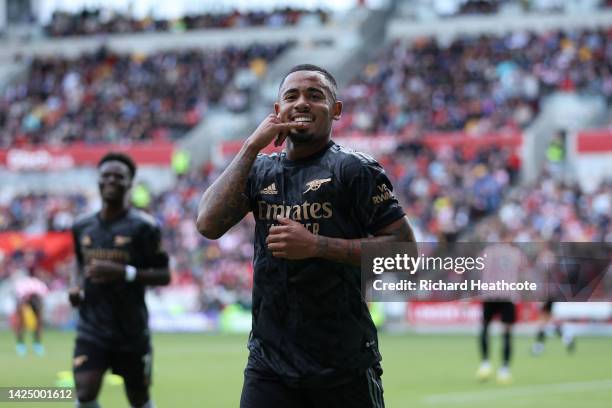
266 163
352 157
83 221
351 161
266 160
142 219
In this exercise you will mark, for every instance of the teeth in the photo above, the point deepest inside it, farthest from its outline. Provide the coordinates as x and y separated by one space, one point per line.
302 119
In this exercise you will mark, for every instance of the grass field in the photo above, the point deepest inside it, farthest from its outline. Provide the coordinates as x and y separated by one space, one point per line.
197 370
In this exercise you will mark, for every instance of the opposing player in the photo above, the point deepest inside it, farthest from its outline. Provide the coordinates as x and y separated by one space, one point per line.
118 252
504 262
507 314
29 293
313 343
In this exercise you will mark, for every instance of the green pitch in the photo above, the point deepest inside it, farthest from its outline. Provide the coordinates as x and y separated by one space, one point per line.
196 370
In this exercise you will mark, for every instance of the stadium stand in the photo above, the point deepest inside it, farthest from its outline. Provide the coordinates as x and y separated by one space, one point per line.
107 21
117 98
453 8
557 212
475 83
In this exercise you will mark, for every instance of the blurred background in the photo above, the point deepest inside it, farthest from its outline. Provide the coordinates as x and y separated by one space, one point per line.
492 118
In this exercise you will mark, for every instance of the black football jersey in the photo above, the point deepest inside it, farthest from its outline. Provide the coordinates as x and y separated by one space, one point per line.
114 315
311 324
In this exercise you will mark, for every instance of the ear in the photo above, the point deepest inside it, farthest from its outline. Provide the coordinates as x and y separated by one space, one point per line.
337 110
276 108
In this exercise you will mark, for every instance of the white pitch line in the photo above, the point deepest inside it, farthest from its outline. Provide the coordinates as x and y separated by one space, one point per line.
524 391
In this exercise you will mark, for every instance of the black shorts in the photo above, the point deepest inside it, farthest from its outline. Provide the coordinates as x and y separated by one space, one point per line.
135 367
261 391
506 310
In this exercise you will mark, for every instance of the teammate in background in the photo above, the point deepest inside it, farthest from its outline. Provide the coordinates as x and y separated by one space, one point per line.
504 261
544 325
118 252
313 343
29 292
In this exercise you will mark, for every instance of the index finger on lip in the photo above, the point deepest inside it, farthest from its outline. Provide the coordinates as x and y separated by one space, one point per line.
291 125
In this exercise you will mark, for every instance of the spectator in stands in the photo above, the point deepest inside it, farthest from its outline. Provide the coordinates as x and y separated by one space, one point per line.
553 210
475 84
106 21
112 98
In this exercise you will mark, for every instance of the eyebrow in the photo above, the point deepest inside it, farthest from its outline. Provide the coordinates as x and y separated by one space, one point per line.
309 89
112 172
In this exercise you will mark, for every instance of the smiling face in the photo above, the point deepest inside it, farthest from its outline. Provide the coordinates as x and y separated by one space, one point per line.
114 181
307 97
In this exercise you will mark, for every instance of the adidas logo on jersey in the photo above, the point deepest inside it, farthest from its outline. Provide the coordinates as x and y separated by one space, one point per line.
270 190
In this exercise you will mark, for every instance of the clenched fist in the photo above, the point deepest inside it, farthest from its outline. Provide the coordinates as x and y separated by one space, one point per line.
291 240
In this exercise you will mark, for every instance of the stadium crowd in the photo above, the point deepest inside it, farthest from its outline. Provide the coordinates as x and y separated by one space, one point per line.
475 84
106 21
107 97
452 8
444 192
42 212
554 211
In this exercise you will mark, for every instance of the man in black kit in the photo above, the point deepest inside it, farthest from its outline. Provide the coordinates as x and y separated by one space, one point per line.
118 252
313 343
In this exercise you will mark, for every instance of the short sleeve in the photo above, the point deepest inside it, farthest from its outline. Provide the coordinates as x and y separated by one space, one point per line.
77 248
154 254
259 168
250 184
372 192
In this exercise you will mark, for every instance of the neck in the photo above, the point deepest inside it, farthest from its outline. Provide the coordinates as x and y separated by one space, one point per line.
297 151
111 210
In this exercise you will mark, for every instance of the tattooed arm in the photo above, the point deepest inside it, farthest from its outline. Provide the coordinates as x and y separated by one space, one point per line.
225 203
291 240
349 250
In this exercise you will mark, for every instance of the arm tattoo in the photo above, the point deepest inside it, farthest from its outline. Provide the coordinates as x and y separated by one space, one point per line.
322 246
224 203
339 250
349 250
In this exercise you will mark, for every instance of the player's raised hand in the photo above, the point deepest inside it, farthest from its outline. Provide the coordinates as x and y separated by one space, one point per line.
271 128
291 240
100 271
